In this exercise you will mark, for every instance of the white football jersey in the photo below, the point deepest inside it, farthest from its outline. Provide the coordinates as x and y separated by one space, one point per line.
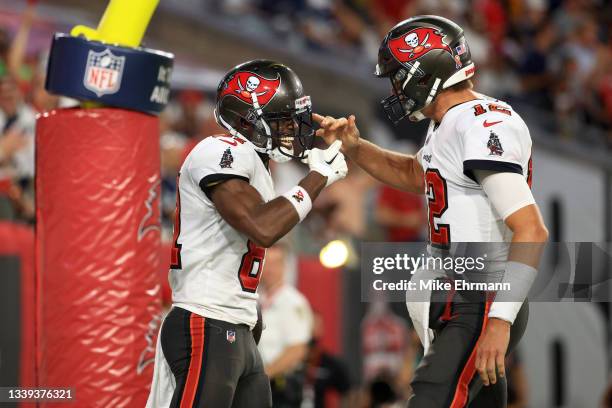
483 134
215 268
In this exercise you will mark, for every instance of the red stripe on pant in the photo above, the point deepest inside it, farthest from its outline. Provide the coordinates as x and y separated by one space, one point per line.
461 391
196 329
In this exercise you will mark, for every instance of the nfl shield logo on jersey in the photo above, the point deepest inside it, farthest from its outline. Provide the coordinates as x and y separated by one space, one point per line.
103 72
231 336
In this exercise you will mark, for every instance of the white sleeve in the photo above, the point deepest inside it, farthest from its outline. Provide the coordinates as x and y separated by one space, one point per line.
497 142
220 159
508 192
298 321
419 156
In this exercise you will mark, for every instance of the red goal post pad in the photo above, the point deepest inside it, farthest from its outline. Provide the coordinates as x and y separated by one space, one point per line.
97 253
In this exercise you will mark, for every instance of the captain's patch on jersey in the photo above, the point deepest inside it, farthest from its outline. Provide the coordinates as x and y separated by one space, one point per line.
494 145
227 159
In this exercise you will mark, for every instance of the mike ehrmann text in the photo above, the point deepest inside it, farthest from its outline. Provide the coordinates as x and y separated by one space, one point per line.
434 284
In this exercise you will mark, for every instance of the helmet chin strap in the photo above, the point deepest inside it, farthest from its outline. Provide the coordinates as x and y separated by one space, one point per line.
273 152
416 116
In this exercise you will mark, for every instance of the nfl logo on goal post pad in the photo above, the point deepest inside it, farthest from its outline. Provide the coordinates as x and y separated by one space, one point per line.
110 75
103 72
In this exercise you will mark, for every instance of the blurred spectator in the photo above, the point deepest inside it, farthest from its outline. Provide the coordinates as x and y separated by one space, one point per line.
570 15
390 355
552 54
17 124
13 57
493 18
582 47
400 214
40 99
324 371
385 342
496 80
565 100
535 70
288 327
387 13
192 110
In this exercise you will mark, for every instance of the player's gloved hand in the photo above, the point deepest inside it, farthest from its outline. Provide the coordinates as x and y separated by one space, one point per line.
342 129
329 163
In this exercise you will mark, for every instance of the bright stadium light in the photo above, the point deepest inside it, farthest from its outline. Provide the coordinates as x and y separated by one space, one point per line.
334 254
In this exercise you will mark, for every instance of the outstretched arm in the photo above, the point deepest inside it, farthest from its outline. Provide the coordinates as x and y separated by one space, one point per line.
512 199
18 46
398 170
241 205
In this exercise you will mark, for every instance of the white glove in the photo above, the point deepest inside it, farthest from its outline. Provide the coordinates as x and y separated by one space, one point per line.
329 163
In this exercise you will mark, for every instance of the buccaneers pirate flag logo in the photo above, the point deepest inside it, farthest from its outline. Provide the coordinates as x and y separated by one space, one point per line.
245 85
416 43
494 145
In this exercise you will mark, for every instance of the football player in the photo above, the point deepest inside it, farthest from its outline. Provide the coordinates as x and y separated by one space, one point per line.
226 216
475 170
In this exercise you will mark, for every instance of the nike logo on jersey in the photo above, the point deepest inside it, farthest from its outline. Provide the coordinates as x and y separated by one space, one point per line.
487 124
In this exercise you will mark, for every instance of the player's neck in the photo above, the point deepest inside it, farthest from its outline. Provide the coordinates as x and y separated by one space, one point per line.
447 100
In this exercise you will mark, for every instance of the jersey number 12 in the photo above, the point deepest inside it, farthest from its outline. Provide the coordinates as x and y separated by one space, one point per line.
437 200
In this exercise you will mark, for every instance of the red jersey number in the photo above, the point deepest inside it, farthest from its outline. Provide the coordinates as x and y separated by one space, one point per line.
439 235
251 266
175 256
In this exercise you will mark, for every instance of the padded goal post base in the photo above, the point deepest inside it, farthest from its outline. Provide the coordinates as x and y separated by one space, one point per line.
97 254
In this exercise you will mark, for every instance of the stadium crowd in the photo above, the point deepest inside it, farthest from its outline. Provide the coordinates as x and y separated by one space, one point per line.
555 55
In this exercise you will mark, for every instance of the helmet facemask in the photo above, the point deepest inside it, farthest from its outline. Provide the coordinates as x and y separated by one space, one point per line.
290 133
282 135
397 106
413 90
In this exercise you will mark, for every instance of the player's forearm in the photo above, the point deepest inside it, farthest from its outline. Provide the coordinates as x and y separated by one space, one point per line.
313 183
398 170
271 221
529 236
274 219
526 248
18 46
